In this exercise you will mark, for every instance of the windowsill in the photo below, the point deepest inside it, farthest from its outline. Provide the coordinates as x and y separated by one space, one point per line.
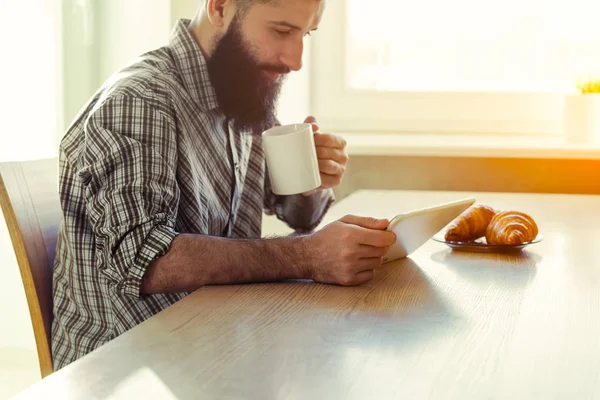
455 145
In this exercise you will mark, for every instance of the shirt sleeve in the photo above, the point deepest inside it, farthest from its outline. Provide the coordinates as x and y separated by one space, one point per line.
127 168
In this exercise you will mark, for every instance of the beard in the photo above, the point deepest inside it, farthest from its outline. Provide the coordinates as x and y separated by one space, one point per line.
245 94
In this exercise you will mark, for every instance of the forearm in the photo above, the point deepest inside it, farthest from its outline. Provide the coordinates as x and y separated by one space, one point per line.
197 260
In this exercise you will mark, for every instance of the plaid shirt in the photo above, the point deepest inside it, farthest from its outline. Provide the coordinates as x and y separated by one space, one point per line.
150 156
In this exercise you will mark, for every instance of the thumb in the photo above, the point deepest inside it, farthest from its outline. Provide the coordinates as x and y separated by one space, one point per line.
312 120
366 222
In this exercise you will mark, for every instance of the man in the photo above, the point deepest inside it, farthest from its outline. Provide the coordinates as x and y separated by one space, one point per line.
163 184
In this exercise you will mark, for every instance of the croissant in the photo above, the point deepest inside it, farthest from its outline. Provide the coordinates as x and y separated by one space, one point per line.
511 227
471 224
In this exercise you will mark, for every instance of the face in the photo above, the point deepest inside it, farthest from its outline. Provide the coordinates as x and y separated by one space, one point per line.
251 59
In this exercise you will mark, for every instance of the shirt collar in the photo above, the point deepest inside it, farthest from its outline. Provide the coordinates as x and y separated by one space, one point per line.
191 63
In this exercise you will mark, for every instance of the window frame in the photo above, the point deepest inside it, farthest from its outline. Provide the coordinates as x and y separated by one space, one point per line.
350 110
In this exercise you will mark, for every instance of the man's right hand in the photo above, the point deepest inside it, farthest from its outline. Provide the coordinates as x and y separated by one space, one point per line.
346 252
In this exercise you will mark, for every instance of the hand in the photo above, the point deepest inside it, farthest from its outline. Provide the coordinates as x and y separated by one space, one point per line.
331 154
347 251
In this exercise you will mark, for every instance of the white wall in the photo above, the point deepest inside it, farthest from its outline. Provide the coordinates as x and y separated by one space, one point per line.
184 9
101 36
80 65
30 78
129 28
294 102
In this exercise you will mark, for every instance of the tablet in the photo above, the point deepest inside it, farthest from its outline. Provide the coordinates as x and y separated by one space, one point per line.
416 227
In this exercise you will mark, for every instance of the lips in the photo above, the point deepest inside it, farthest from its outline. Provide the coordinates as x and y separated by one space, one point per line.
272 75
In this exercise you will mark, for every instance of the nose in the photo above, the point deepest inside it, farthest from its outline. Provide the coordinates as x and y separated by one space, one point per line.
292 56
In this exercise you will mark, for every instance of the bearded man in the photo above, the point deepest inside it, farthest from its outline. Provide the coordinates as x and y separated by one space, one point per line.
163 180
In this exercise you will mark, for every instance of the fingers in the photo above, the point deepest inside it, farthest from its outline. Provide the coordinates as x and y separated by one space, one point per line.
366 222
312 120
359 278
364 276
365 251
325 139
330 167
330 153
365 264
369 231
329 140
376 238
330 181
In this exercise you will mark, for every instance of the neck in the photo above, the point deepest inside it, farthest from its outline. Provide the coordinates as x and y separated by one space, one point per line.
204 33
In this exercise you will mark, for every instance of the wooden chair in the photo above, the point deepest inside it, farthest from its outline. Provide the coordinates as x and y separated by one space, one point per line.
30 203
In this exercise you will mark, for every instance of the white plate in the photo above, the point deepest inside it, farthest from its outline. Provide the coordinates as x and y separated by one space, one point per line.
481 246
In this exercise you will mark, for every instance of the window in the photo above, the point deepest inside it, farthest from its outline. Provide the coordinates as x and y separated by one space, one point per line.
476 66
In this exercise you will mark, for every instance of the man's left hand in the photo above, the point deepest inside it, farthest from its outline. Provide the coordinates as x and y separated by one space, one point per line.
331 154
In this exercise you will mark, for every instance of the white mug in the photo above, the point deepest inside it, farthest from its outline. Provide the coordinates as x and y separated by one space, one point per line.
291 159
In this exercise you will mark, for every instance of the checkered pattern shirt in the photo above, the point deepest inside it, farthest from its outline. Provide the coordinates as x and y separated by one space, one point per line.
150 156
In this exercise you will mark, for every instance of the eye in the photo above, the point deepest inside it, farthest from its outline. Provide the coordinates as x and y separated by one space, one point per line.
307 34
280 32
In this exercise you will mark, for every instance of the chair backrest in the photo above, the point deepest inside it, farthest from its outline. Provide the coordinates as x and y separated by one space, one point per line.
30 203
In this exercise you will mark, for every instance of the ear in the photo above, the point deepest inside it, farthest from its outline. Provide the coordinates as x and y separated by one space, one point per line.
220 12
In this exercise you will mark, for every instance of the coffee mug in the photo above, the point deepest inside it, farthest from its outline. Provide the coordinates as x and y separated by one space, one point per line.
291 159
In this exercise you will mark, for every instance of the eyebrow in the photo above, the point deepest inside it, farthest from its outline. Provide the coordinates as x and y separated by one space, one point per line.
291 26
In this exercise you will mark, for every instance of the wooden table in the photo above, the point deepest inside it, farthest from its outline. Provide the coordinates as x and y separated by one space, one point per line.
440 324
